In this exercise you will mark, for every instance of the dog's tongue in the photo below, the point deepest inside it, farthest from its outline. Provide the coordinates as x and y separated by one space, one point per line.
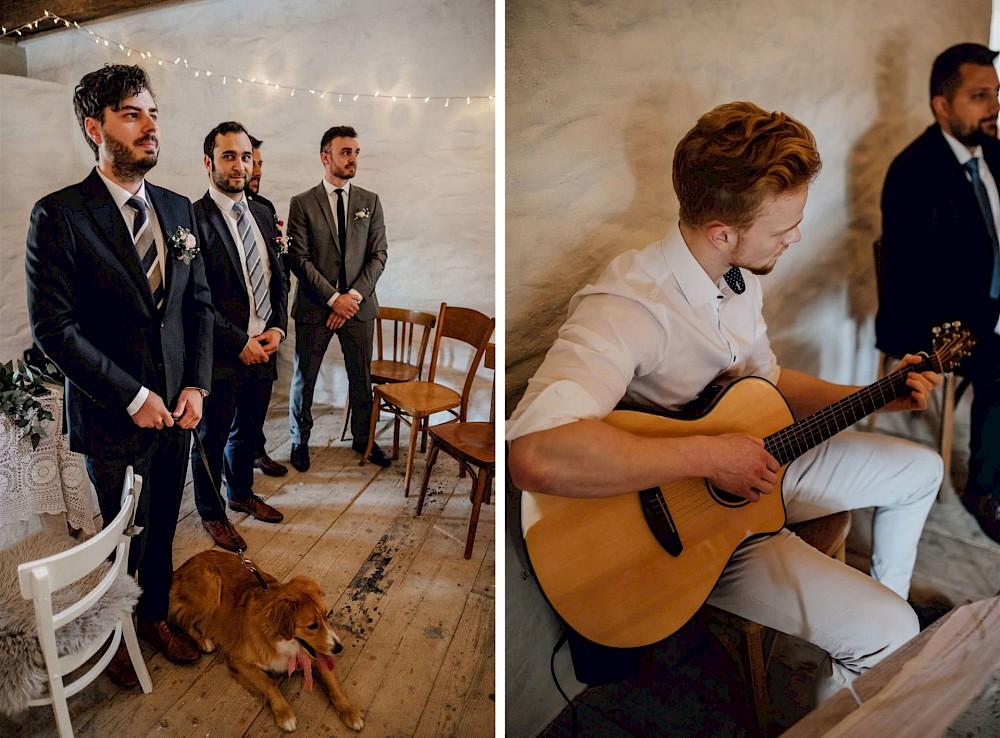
302 661
325 661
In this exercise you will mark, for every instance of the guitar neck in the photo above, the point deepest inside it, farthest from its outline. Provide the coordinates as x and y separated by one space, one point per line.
791 442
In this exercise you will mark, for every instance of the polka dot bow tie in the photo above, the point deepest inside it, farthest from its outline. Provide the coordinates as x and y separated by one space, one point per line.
734 278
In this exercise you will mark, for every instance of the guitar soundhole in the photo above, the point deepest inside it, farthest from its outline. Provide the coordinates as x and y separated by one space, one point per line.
726 499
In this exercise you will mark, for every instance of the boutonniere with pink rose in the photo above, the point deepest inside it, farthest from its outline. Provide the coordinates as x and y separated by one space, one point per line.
184 245
362 214
281 243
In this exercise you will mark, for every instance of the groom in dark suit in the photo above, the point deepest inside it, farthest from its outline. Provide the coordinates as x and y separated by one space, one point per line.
940 208
118 300
239 241
337 250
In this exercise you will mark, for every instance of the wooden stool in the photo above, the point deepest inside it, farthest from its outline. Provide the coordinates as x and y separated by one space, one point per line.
756 642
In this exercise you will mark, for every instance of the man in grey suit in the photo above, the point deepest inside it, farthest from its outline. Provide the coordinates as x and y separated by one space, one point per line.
337 250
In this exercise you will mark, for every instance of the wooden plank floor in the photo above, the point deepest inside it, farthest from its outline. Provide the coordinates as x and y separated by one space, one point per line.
416 619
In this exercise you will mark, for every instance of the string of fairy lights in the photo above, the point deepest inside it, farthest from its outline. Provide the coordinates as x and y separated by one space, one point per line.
227 79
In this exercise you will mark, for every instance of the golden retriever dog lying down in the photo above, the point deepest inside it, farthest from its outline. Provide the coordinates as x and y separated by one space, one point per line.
220 604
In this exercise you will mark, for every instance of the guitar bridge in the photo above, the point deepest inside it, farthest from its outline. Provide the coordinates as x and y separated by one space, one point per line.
660 522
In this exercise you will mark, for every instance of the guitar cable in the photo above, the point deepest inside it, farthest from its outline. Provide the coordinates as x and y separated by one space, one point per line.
552 668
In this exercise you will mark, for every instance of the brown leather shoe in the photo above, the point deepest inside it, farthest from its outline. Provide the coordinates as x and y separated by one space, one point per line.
120 670
172 643
269 466
225 536
258 508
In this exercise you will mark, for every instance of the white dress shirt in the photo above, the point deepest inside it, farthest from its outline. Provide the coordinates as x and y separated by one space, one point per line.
121 197
654 330
992 194
331 192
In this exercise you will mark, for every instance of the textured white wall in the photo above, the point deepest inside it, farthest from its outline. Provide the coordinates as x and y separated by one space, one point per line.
432 166
599 94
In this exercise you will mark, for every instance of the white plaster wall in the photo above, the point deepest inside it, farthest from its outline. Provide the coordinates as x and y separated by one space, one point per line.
23 99
432 166
598 95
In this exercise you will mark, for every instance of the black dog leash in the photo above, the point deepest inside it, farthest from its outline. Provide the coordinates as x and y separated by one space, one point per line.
239 551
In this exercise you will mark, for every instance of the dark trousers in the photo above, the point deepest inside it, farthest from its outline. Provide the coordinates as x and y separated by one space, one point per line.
162 466
231 431
984 437
311 341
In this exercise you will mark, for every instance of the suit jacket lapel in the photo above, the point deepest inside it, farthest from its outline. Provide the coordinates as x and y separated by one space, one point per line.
109 220
324 205
169 223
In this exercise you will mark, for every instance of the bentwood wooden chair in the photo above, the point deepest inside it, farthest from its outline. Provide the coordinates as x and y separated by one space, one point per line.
41 578
401 338
471 443
415 402
755 645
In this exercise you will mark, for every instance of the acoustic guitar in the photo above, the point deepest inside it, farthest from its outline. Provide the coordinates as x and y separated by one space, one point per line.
631 569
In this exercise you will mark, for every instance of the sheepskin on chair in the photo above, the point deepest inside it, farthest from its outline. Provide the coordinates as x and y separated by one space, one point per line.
22 667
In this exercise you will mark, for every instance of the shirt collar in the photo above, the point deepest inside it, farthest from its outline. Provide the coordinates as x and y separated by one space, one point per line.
120 195
697 286
960 150
331 188
222 200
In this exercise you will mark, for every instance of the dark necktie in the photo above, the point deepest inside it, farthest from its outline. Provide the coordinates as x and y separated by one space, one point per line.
734 278
972 167
261 299
342 235
142 235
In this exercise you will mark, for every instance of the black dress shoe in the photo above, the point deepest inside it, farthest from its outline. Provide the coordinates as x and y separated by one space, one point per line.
300 456
377 456
269 466
986 510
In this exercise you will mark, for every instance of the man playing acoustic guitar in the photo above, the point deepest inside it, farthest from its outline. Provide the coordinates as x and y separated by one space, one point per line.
661 324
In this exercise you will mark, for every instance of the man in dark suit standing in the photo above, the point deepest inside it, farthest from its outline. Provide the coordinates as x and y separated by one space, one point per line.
337 250
238 240
940 209
262 461
118 300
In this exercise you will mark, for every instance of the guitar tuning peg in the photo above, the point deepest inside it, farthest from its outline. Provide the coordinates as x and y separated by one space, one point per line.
957 324
936 330
947 326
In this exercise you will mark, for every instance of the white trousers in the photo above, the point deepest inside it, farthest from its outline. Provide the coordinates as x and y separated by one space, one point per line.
784 583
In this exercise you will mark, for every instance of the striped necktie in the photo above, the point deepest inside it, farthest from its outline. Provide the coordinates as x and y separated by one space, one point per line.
261 298
972 167
142 235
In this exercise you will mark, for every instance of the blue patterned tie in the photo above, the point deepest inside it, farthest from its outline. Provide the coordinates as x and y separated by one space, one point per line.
142 235
972 167
261 298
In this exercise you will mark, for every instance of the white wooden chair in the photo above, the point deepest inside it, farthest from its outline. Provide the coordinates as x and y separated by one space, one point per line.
39 579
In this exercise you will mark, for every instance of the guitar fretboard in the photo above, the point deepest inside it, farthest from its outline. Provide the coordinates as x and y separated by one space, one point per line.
791 442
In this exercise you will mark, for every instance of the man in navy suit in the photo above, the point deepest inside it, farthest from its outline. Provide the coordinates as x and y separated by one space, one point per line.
940 208
118 300
238 240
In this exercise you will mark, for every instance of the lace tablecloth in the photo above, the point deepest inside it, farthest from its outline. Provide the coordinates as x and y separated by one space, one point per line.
49 479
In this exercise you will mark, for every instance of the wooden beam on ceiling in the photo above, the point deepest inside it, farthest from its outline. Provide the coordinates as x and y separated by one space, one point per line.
15 13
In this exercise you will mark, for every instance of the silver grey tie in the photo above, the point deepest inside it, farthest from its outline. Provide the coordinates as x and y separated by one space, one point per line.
261 298
142 235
